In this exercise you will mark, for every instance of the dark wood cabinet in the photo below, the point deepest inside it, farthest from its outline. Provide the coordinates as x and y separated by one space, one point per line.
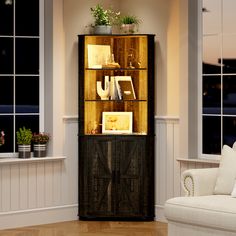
116 169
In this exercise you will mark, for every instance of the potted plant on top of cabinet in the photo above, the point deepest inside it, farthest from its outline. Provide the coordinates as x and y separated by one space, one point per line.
24 137
129 24
104 19
40 141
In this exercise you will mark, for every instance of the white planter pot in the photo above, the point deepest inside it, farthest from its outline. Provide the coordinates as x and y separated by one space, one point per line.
128 28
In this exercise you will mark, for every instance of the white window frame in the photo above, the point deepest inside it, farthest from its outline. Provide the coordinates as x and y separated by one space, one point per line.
41 75
200 82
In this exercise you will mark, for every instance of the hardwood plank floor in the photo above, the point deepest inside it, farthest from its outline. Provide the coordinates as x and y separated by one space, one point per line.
92 228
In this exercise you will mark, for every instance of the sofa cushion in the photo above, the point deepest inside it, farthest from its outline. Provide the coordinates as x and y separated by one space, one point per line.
227 171
217 211
233 194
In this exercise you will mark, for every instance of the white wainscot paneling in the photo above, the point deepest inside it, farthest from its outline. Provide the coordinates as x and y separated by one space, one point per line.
41 191
167 170
168 166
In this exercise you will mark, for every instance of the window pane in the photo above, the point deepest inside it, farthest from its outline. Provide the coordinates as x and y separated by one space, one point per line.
229 16
6 56
211 135
27 94
229 54
27 56
211 95
229 130
229 95
27 17
6 17
6 124
211 55
6 94
211 16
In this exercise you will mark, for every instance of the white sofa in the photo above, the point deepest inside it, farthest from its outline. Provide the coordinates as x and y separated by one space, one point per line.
201 213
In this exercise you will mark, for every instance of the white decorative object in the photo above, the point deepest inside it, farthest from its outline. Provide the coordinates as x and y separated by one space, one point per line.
103 93
113 89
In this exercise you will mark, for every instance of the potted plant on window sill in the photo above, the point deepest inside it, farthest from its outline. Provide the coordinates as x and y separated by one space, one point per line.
103 19
40 141
24 137
2 139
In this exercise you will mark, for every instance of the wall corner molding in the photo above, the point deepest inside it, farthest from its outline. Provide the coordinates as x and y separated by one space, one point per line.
70 119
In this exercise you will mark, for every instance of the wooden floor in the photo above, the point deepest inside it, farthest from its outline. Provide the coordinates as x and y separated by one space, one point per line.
92 228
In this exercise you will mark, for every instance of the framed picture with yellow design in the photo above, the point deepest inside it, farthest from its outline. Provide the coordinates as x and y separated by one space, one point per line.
117 122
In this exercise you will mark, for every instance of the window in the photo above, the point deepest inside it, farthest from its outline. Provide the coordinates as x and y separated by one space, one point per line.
20 68
218 113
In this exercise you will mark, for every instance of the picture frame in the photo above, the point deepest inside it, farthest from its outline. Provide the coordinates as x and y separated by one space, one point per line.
117 122
98 55
125 88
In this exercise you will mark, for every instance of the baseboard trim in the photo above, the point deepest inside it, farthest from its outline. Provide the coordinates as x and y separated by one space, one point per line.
159 213
15 219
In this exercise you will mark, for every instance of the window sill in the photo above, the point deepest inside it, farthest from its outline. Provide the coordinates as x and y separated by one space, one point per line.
12 160
199 160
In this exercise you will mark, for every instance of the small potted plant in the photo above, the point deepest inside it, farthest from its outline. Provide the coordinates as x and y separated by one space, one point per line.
104 19
24 137
129 24
2 139
40 141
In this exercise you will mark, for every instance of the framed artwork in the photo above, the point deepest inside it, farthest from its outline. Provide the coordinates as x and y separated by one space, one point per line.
117 122
98 55
125 87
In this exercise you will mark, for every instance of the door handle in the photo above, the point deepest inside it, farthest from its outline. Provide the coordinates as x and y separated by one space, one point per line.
113 176
118 177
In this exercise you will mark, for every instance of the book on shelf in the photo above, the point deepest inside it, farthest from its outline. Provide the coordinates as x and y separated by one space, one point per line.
125 88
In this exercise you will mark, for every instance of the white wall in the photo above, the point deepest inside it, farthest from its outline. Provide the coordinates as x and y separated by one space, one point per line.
57 182
46 191
158 17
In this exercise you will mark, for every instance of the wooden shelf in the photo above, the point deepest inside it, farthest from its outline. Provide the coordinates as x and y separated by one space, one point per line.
116 69
12 160
121 100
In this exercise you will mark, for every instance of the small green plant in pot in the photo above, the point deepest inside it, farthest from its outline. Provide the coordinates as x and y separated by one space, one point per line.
104 19
24 137
129 24
40 141
2 138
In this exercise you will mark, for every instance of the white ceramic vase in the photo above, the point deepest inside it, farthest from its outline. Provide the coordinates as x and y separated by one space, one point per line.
103 93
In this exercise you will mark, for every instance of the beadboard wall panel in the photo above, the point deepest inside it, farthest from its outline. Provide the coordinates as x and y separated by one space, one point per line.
168 167
34 188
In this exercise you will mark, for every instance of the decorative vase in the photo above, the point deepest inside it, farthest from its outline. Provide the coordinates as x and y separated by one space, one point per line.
24 151
128 28
40 150
102 29
103 93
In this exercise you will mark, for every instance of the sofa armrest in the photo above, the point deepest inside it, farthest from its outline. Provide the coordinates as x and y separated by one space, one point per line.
199 182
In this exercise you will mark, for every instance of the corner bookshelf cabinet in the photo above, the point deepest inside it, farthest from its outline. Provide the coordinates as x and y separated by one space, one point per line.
116 169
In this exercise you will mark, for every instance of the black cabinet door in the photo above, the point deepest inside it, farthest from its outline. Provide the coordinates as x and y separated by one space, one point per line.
97 182
130 155
112 176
